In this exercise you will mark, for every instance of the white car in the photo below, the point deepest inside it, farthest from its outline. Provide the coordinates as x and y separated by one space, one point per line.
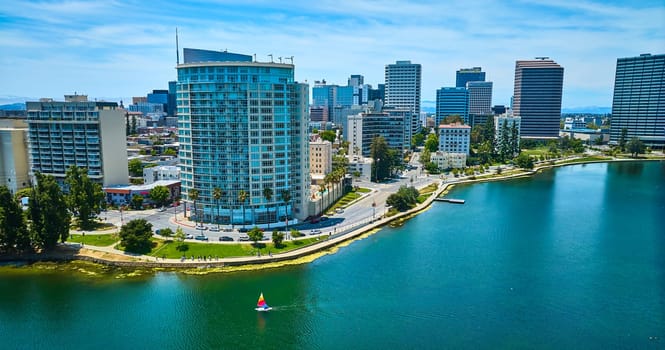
189 236
315 232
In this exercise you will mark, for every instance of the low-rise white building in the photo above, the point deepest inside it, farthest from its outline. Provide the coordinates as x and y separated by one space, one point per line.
361 165
448 160
159 173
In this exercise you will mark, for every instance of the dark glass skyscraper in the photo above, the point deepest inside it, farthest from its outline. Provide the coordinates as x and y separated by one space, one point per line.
537 98
639 99
465 75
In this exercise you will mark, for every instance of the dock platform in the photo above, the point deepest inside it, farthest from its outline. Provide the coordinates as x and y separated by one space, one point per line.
450 200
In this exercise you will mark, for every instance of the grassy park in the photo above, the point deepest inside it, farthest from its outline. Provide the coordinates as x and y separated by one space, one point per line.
102 240
175 250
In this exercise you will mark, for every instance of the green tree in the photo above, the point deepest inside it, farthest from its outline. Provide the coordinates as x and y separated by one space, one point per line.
432 168
277 238
128 129
381 161
14 234
452 119
134 125
193 195
477 133
514 140
217 194
48 213
137 202
85 198
505 146
329 135
417 140
267 194
524 161
485 151
179 236
255 234
425 156
135 167
623 139
159 195
166 232
242 198
404 199
432 143
635 146
489 130
170 152
135 236
286 197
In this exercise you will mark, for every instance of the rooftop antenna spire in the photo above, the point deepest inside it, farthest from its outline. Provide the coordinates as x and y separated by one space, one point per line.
254 57
280 59
177 49
271 61
289 58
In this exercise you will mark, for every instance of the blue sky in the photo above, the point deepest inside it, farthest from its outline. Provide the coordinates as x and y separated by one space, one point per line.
122 48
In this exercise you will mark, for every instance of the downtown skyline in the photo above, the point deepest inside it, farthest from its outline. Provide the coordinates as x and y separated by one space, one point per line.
118 49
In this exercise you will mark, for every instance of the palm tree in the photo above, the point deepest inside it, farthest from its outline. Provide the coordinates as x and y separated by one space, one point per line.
322 189
217 194
193 195
267 193
286 197
242 197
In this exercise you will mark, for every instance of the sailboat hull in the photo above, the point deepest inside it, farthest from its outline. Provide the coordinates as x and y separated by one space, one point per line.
263 309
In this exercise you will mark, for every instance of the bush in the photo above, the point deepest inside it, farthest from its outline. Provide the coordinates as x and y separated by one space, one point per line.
135 236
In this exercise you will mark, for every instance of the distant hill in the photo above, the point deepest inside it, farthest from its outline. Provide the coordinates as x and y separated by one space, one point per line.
13 107
588 109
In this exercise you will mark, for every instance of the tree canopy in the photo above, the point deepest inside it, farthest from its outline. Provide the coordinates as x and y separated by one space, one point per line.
14 235
159 195
255 234
328 135
135 236
381 159
135 167
48 212
635 146
85 198
404 199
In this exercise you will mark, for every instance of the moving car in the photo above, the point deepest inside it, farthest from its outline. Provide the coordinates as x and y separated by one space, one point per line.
189 236
243 238
201 238
214 229
201 227
225 239
315 232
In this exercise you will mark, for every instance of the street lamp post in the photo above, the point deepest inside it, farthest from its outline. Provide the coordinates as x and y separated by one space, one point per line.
373 210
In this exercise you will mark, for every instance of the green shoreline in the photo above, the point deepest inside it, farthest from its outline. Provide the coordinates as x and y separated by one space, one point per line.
94 267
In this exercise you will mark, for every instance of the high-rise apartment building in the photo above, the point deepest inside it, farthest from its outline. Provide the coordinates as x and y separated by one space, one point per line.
452 101
465 75
639 99
402 90
537 97
242 127
364 127
78 132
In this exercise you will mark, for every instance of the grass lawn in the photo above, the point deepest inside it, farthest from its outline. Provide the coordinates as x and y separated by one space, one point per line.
363 190
102 240
345 200
585 159
170 248
536 151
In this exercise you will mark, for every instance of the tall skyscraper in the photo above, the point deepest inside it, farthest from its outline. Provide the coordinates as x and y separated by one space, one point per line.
465 75
639 99
452 101
480 97
78 132
537 97
402 90
242 126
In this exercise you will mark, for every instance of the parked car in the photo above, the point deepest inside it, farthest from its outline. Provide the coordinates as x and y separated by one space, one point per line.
315 232
201 227
243 229
214 229
243 238
339 210
227 229
189 236
201 238
225 239
162 209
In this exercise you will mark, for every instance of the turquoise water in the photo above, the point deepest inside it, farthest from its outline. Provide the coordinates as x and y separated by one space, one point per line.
571 258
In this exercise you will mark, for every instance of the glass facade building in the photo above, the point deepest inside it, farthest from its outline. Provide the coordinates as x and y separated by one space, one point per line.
465 75
537 97
451 101
242 126
639 99
402 90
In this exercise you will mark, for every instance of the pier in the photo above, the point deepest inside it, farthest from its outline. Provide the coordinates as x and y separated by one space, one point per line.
450 200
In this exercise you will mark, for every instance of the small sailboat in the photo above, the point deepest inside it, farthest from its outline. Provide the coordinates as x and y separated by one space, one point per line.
261 305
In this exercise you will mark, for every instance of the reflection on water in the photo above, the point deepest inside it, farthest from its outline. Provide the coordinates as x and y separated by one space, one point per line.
553 261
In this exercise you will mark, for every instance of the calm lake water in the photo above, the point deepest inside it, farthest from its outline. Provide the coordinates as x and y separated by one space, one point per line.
572 258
